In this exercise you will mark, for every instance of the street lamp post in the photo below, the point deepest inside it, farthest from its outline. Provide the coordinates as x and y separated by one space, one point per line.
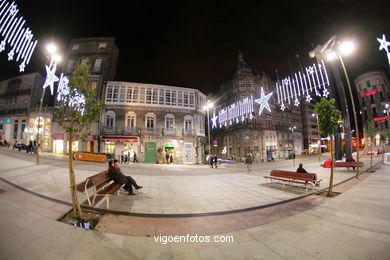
387 111
332 50
319 137
207 108
292 128
54 59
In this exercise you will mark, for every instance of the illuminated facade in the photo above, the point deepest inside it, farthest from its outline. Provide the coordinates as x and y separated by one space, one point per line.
250 119
374 91
153 121
18 96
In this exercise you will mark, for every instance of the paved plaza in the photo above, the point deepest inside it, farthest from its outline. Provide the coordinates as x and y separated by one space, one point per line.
352 225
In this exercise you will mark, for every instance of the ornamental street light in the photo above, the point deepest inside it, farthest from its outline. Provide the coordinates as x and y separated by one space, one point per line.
387 111
207 109
333 50
319 136
51 49
292 128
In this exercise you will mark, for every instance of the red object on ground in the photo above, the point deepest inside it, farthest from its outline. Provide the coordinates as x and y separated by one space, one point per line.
327 163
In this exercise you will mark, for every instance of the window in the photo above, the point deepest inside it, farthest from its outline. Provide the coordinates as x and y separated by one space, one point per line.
22 128
173 98
186 99
129 94
374 111
142 95
109 93
115 94
155 96
93 85
148 96
131 119
192 100
109 119
372 99
187 124
69 67
150 121
75 47
122 94
368 83
167 97
97 66
161 97
169 122
102 45
135 95
180 98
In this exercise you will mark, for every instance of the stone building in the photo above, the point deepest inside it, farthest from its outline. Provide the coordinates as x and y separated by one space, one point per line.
374 91
241 122
102 53
18 96
153 121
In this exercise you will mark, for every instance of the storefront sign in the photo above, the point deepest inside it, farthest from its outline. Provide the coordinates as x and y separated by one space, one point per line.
380 118
369 93
169 144
120 139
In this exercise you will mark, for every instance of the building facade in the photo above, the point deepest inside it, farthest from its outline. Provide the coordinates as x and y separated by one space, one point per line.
246 119
155 122
18 96
374 91
102 53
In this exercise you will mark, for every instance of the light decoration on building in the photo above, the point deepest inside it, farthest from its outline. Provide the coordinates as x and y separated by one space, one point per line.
14 33
214 120
239 110
369 93
302 85
78 100
380 118
51 78
263 101
384 45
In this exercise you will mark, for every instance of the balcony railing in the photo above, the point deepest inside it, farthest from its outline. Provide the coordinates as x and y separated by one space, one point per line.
151 130
131 130
109 129
169 131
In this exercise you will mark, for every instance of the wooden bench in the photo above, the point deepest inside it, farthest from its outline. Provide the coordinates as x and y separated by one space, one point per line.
101 185
307 179
348 164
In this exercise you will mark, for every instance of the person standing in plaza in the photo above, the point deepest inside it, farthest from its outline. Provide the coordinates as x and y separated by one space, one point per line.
215 161
248 162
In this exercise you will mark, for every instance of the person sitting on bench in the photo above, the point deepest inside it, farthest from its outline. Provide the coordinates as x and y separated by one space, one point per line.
118 177
301 169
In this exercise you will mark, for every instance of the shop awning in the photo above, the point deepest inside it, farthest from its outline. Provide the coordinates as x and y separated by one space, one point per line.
120 139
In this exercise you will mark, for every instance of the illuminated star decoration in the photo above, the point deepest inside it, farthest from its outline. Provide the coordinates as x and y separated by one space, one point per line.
242 118
50 78
325 93
383 43
21 67
296 102
2 46
214 120
263 101
282 107
250 117
225 123
11 55
318 93
308 98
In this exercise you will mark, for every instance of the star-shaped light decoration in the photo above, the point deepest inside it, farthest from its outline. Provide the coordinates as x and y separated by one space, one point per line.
282 107
2 45
225 124
220 125
242 118
325 93
22 66
214 120
318 93
308 98
237 120
383 43
250 116
297 102
11 55
50 78
230 122
263 101
13 9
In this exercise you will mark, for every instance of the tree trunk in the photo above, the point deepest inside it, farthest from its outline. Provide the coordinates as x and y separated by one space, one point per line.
331 168
72 181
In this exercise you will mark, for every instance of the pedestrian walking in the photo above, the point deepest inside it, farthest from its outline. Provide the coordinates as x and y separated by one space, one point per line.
248 162
135 157
215 161
211 160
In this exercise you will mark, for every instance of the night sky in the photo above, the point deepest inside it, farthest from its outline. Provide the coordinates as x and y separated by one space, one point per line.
195 43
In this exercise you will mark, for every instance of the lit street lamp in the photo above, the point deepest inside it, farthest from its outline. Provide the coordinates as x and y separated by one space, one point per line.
292 128
387 111
319 136
207 108
332 50
51 48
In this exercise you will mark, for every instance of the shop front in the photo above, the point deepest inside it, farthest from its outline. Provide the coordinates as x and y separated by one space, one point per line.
117 146
58 143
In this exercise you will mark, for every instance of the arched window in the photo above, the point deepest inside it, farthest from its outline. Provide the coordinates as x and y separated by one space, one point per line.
150 121
188 124
131 119
109 120
169 123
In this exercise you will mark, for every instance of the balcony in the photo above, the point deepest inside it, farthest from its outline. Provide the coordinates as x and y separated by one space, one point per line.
169 131
188 132
131 130
109 129
150 130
